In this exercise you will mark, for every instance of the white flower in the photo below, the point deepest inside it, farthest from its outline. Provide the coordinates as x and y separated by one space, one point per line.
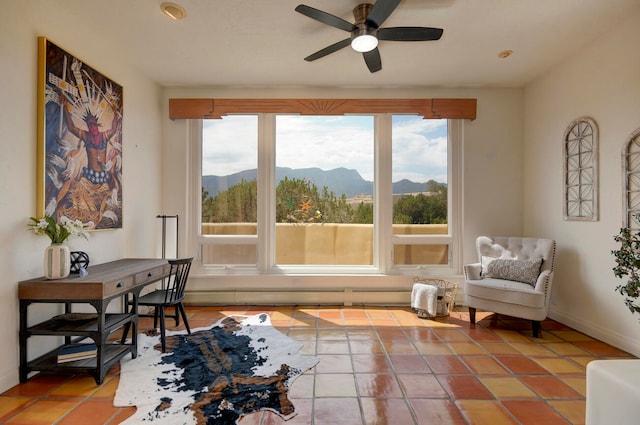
59 232
76 228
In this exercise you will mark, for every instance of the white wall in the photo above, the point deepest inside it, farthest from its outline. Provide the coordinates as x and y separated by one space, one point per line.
20 25
601 81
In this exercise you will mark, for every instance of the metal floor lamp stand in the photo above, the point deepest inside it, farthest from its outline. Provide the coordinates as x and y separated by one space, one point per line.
164 253
164 244
164 233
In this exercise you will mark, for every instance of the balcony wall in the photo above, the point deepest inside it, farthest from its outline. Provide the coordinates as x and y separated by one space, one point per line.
325 244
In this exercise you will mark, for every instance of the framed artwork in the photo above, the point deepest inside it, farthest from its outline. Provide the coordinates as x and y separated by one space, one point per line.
79 140
580 146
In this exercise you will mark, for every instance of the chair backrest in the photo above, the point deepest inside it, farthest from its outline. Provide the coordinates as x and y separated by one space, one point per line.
177 281
518 249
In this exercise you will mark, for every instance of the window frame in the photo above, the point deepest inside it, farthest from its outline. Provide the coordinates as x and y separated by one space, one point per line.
384 240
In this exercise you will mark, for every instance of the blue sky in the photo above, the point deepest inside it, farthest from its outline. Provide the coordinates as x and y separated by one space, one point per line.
327 142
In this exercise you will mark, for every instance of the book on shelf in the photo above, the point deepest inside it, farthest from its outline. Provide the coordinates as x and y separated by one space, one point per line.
70 353
73 359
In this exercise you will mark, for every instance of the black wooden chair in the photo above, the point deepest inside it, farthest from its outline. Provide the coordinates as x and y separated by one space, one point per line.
170 295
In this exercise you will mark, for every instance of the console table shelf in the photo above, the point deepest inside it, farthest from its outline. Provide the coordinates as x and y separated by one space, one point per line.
79 327
104 283
111 353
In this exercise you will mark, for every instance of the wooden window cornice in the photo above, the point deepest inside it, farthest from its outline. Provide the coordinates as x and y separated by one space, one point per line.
200 108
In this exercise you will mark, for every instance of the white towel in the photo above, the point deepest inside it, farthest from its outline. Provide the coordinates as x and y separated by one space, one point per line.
424 298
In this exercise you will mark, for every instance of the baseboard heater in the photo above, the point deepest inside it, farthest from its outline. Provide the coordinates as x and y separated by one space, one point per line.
344 297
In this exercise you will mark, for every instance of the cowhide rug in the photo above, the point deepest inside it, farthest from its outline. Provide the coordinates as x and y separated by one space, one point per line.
214 376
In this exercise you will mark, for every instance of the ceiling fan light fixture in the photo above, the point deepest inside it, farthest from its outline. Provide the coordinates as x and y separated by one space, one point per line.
173 10
364 43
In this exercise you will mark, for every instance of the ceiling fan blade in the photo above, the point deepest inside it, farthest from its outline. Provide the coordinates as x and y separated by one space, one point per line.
409 34
329 49
381 11
325 18
373 61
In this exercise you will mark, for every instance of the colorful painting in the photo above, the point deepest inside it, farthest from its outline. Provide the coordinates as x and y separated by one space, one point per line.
79 140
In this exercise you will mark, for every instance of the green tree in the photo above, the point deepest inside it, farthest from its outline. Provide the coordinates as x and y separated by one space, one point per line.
297 201
300 201
207 207
238 204
334 209
363 214
423 209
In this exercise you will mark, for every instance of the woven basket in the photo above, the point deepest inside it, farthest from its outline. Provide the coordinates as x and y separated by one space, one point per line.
446 301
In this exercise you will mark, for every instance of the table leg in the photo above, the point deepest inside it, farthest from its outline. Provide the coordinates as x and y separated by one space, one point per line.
100 338
24 336
134 322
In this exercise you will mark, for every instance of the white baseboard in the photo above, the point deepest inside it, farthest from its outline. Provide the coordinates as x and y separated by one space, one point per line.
8 379
608 335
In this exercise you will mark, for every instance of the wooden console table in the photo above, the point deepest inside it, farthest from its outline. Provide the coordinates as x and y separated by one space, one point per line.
103 283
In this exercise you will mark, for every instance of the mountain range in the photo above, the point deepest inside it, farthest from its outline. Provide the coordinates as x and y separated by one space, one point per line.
339 181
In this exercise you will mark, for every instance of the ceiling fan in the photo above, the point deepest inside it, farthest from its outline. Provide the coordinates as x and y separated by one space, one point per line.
366 31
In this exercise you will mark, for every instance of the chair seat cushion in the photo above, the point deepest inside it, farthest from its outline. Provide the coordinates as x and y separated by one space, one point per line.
506 291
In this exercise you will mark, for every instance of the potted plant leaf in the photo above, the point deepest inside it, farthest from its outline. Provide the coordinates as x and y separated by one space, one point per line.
627 259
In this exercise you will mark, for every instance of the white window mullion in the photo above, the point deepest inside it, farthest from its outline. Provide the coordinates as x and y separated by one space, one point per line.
454 192
266 191
194 178
383 198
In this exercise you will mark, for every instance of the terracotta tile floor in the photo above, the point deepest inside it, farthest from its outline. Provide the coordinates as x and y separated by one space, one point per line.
378 365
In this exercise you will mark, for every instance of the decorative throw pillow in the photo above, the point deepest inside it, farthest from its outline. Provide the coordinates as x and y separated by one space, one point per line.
484 262
508 269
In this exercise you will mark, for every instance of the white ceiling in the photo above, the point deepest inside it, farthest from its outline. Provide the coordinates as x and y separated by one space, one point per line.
262 43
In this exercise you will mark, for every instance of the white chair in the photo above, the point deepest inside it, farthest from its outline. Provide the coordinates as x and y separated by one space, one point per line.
513 277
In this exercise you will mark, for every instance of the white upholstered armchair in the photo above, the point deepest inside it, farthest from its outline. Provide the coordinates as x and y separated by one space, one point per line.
513 277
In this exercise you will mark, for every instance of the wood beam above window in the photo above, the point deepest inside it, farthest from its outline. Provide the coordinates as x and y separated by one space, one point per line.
216 108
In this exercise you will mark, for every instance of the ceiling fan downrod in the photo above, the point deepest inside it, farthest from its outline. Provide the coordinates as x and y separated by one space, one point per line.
361 11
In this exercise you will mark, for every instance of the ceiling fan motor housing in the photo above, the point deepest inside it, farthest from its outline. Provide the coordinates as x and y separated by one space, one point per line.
361 11
363 29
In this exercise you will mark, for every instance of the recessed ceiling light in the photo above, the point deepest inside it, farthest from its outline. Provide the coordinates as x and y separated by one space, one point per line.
505 54
173 10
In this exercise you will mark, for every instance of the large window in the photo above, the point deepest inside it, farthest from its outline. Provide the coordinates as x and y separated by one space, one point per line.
368 193
324 176
419 176
229 188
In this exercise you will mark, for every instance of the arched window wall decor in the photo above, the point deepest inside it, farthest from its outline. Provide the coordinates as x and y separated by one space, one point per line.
580 145
631 181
